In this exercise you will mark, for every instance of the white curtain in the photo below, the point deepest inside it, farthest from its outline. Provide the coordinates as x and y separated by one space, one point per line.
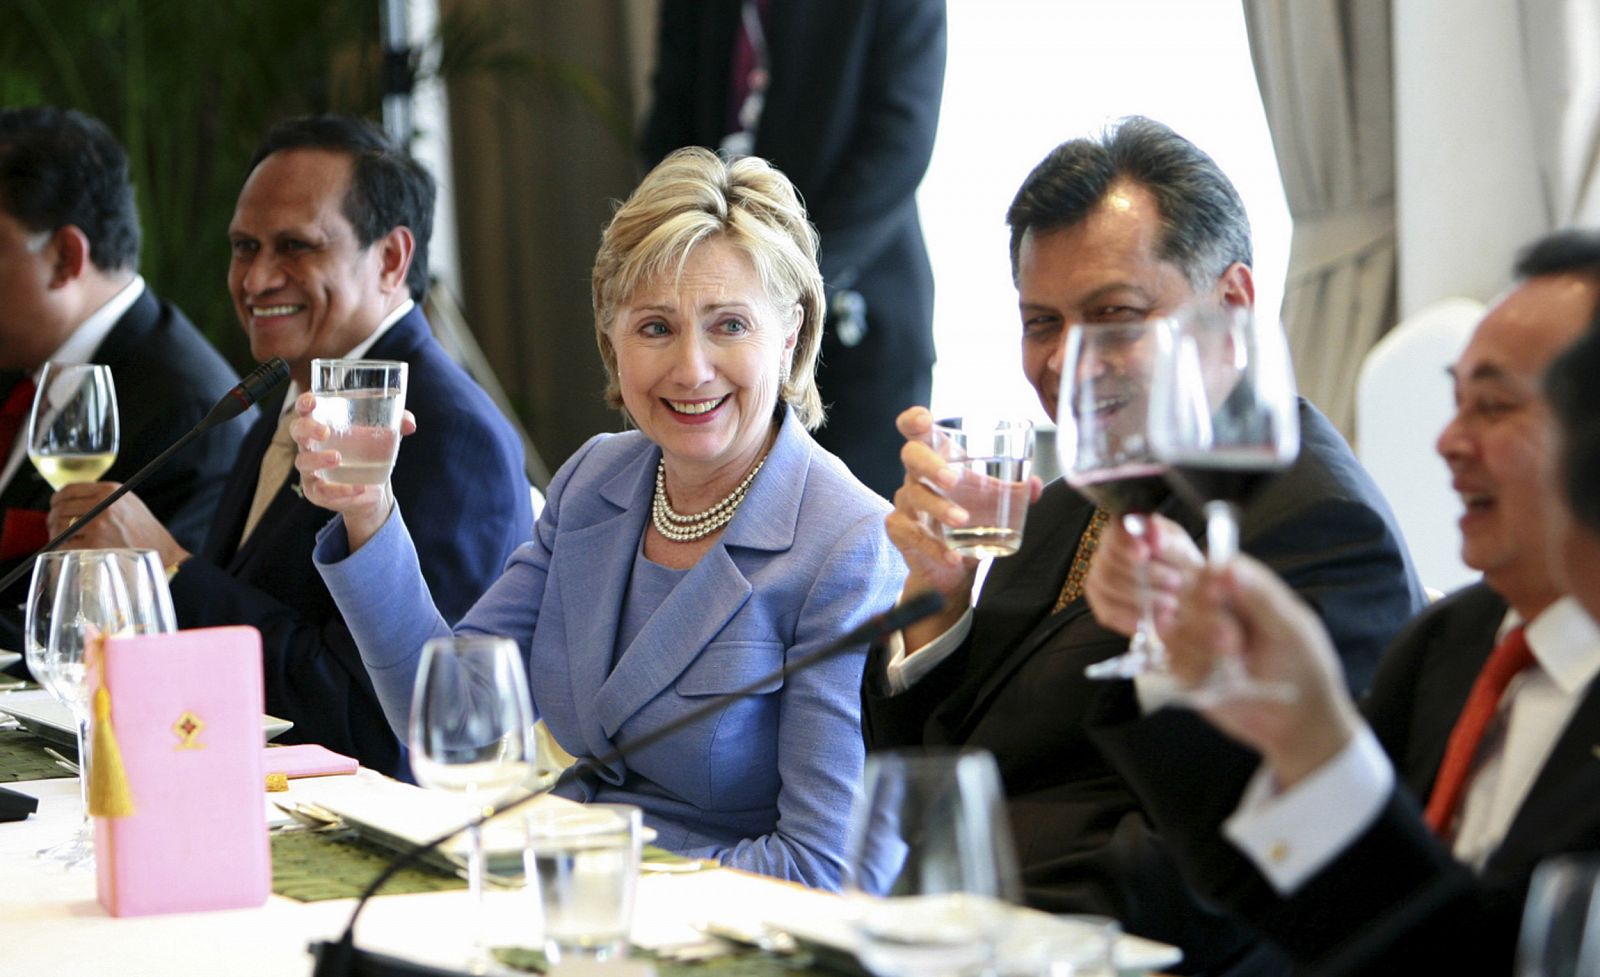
1561 62
1326 82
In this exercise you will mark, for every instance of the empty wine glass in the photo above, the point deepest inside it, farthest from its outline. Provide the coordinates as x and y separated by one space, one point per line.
471 733
1104 447
73 431
930 865
76 598
1224 418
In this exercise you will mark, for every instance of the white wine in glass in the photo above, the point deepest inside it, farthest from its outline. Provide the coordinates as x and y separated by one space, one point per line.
73 430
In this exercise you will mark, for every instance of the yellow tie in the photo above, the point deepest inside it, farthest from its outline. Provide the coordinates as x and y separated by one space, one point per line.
275 466
1087 544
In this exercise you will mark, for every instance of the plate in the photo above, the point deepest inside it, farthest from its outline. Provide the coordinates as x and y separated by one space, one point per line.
832 940
40 714
9 658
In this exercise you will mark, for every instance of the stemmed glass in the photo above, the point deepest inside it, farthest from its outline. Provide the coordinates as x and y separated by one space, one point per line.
73 430
1224 418
75 598
1561 922
1105 453
930 865
471 733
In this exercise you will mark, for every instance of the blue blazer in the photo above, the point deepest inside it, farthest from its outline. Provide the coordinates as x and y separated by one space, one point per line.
460 476
764 784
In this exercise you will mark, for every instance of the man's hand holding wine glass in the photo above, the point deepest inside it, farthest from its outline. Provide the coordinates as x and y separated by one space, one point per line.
1170 558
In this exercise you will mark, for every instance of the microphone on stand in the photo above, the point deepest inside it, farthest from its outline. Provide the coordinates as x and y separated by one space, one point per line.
341 958
260 382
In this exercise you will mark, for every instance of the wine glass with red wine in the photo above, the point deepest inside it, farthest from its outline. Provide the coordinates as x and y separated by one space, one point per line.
1104 446
1224 418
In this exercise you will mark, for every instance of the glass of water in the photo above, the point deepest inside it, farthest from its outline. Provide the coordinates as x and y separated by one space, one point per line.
992 459
584 865
930 864
361 401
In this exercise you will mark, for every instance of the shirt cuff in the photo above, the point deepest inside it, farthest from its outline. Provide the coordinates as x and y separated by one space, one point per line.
1290 836
905 670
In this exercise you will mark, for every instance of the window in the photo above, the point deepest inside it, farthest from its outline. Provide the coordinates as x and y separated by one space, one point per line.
1025 75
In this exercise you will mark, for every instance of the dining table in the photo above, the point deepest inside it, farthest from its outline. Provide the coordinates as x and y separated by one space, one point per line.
52 924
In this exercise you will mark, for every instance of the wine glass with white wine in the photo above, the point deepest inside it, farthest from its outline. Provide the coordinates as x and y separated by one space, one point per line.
73 431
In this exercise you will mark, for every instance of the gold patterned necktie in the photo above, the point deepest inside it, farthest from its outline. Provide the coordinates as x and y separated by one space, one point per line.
275 466
1079 571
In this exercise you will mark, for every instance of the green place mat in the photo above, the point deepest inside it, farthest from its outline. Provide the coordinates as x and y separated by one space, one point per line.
22 757
739 963
314 865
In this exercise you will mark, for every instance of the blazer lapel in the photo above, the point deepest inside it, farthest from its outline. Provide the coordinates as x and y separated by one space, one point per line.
595 563
713 591
222 542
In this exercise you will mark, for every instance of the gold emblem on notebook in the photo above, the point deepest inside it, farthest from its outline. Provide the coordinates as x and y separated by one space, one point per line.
188 728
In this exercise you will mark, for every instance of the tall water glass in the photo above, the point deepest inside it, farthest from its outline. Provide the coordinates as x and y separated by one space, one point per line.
471 733
73 430
584 866
992 459
362 402
77 597
930 865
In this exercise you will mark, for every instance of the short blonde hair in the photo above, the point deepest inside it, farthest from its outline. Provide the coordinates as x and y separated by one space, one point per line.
691 197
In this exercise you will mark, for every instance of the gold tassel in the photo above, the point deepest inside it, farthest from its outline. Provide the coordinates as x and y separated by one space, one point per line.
109 795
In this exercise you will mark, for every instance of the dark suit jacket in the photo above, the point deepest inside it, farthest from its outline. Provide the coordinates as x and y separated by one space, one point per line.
1395 901
167 378
850 118
1016 686
459 478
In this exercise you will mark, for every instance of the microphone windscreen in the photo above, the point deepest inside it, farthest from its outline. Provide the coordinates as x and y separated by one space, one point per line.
260 382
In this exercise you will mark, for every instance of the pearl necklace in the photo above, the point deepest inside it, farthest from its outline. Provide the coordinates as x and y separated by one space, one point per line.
682 528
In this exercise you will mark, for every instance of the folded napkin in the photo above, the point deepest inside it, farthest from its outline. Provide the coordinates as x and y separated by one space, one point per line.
306 760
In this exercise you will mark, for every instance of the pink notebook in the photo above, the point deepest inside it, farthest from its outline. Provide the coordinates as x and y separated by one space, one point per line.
306 760
186 710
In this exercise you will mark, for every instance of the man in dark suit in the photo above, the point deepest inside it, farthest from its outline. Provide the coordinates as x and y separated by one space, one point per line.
1404 843
843 97
70 291
1128 226
329 244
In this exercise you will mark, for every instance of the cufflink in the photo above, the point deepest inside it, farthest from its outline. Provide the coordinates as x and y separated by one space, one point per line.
1278 852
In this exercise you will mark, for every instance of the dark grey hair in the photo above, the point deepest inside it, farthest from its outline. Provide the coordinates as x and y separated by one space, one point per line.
1204 226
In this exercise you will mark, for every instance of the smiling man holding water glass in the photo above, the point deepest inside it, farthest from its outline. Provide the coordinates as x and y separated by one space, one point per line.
1130 225
329 249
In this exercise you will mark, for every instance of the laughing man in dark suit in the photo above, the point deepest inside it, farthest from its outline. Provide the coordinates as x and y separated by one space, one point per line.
1354 846
1127 226
70 291
329 243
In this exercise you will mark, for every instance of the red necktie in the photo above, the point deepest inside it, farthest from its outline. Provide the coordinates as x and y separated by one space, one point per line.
14 415
21 530
1509 658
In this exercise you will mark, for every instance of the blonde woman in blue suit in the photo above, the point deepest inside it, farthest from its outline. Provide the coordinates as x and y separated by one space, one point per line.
681 560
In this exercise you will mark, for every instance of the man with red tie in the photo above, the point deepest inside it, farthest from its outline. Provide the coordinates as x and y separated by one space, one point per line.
1400 838
70 291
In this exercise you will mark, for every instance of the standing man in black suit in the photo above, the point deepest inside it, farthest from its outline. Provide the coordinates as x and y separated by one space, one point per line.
843 97
70 291
1400 839
329 245
1126 226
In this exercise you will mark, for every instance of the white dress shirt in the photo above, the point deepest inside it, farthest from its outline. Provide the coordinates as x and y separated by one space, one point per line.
79 347
1292 835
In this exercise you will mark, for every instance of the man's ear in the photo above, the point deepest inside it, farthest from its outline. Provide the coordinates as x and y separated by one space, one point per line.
1237 286
68 249
395 250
